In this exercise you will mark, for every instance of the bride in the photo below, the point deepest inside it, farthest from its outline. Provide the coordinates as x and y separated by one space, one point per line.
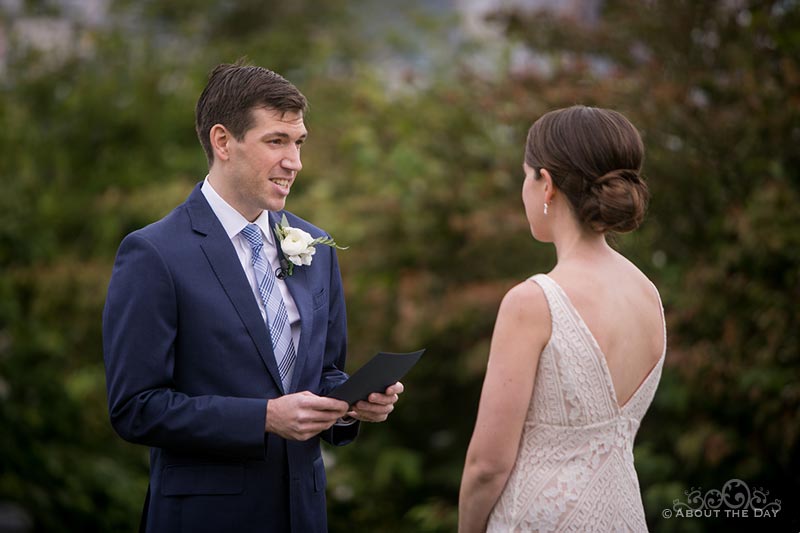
577 353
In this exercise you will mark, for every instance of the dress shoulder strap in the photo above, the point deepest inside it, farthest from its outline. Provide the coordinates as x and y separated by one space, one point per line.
551 292
663 317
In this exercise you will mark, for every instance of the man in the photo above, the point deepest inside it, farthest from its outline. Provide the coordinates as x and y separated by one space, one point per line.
215 357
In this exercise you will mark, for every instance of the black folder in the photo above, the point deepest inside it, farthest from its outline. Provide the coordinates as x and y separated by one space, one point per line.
382 370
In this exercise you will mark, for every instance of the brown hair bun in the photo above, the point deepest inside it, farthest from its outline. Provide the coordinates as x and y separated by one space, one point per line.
616 201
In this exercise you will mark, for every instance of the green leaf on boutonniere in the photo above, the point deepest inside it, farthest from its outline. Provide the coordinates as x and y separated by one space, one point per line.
327 241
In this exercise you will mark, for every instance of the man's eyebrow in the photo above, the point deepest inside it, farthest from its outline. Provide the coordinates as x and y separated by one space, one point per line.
282 135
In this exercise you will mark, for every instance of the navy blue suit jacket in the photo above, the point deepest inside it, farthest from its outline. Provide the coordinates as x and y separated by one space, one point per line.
189 369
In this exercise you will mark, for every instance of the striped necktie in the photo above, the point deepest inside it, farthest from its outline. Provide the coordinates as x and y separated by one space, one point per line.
277 317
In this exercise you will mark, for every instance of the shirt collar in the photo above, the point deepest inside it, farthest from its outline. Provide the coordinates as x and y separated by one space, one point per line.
232 221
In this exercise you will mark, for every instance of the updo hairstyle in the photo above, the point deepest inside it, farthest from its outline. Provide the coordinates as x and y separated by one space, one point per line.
594 157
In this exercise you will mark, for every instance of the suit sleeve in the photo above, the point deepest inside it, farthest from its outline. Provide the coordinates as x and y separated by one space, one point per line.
139 332
336 354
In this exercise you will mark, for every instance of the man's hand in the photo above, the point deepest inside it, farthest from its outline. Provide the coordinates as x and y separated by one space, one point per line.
302 415
378 406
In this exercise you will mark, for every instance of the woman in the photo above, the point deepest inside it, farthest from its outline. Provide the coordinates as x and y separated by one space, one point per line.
576 354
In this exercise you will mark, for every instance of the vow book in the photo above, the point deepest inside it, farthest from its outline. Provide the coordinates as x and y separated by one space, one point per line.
382 370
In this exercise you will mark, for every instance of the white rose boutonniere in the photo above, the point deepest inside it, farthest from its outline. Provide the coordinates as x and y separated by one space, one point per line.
298 245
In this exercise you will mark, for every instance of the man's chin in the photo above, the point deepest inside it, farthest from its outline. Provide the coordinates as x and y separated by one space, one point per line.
276 204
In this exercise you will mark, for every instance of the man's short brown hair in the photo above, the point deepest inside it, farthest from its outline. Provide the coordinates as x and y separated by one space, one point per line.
233 91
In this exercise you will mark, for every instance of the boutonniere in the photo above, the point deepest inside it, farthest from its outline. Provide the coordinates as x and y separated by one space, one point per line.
298 245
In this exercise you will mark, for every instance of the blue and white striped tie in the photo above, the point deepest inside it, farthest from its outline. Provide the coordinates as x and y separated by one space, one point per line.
277 317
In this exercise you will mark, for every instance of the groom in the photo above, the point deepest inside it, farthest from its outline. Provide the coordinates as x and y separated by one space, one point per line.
216 357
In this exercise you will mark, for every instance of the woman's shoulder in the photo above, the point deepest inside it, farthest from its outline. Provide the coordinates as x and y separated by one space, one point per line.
522 320
525 300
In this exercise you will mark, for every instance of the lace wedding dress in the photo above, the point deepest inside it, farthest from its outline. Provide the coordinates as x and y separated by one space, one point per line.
574 469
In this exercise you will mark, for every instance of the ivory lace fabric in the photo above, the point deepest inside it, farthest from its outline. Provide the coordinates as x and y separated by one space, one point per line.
574 469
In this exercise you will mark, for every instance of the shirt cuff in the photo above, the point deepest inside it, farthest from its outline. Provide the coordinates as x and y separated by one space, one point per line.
345 421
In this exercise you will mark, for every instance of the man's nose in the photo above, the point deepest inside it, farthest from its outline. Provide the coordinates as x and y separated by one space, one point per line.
292 160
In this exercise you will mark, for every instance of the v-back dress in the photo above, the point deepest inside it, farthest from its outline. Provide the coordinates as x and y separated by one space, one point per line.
574 468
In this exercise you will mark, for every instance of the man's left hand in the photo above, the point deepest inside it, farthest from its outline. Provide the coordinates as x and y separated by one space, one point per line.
378 406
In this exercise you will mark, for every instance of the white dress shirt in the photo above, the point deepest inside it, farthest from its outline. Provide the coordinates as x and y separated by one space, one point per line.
234 223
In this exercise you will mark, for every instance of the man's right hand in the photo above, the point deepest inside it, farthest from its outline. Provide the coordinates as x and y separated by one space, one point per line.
302 415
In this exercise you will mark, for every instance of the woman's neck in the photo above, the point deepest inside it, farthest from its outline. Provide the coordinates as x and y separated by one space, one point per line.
580 244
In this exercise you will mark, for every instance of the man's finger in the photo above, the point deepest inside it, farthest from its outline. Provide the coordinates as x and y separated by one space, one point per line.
383 399
319 403
397 388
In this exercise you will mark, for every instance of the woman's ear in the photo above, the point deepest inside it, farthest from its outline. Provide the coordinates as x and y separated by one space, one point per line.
220 137
549 188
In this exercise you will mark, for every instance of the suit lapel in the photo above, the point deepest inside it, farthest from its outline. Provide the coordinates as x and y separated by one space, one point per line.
224 261
297 284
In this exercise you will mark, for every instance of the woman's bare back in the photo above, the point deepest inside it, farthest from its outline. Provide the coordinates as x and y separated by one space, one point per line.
622 310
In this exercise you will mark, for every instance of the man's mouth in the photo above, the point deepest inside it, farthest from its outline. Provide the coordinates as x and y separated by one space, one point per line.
281 182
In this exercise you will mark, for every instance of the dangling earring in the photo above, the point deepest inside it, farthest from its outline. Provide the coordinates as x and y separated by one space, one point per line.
545 208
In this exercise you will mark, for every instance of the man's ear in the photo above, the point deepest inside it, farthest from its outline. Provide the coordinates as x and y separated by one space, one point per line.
220 138
549 188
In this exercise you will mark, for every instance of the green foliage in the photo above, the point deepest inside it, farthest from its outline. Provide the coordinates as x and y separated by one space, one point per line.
418 169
